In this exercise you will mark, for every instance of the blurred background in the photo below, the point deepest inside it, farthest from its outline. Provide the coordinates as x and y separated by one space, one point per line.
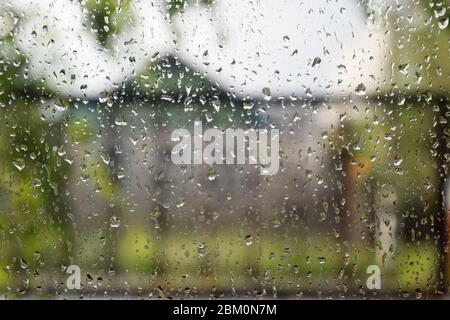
91 90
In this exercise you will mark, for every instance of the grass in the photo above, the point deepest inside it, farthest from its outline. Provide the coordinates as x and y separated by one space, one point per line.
223 262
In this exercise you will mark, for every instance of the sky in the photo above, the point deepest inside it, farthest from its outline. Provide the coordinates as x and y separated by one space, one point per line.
283 47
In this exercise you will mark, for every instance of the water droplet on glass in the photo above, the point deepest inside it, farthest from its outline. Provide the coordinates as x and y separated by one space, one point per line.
115 222
267 93
23 263
19 164
316 61
360 89
443 23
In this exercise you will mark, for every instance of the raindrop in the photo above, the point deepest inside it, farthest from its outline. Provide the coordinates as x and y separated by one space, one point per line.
23 263
19 164
248 240
267 93
316 61
443 23
115 222
360 89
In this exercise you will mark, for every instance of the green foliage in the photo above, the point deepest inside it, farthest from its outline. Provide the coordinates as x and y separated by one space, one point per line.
175 6
108 16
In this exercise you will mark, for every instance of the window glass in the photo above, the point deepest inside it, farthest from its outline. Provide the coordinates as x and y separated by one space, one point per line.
224 148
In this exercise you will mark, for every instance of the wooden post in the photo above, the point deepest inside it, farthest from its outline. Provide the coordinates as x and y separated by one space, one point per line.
442 171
